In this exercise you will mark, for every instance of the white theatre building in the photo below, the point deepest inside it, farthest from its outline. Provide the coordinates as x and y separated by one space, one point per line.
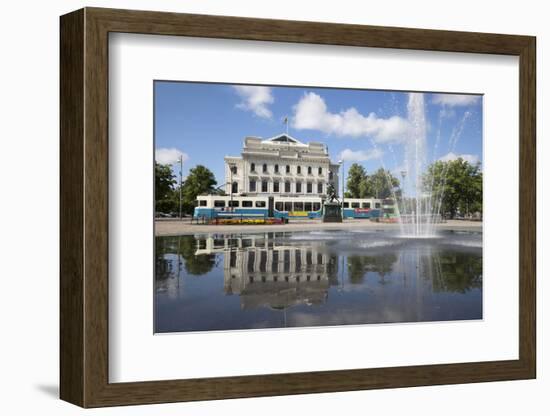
280 166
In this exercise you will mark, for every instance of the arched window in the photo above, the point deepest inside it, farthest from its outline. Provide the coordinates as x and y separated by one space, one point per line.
264 167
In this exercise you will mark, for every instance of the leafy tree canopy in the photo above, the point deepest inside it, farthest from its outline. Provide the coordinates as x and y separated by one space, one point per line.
458 184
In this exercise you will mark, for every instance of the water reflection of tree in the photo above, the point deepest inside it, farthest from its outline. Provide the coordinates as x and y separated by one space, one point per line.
456 272
358 266
186 247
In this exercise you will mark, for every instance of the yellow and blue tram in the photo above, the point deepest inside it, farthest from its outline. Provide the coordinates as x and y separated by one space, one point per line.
227 206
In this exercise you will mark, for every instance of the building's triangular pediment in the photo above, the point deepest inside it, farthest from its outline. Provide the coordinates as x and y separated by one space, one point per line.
284 138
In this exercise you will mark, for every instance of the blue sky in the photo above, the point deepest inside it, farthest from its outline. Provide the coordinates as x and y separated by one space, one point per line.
205 122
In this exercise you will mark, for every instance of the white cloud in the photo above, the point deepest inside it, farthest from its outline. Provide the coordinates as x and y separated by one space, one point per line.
360 155
472 159
455 100
311 113
170 156
255 99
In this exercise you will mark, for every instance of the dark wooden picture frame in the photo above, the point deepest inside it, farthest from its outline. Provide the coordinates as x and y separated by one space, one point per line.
84 207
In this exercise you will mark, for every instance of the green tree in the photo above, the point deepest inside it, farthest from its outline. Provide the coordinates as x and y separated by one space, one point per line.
199 181
458 184
382 184
164 187
356 182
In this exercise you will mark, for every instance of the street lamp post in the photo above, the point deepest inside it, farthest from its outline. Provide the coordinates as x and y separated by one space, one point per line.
341 163
181 180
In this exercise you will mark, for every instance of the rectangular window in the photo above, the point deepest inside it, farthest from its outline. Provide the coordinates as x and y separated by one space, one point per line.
264 168
234 188
287 186
298 187
298 170
279 206
307 206
346 204
252 186
264 186
219 203
276 186
260 204
288 206
234 169
202 203
377 205
287 168
366 205
276 168
298 206
320 170
247 204
309 187
234 204
316 206
252 167
319 188
355 204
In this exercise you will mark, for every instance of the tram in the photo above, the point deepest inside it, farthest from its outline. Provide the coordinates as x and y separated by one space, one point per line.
227 206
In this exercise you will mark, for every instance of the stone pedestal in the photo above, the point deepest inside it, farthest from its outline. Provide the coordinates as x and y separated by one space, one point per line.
332 212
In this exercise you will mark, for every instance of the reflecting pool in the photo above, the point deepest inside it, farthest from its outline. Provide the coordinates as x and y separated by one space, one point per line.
314 278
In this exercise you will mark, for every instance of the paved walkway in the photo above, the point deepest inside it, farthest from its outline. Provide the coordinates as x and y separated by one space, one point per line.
176 227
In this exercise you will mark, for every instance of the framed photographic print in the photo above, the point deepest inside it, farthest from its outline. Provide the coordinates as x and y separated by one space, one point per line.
242 200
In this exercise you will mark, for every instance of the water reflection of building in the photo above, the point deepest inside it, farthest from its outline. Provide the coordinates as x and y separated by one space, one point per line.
265 273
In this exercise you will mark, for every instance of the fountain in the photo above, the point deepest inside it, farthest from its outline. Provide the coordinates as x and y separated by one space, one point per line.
419 212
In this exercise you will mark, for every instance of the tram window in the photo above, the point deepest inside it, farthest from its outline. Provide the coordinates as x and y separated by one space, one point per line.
355 204
346 204
377 205
247 204
234 204
202 203
260 204
298 206
288 206
366 204
316 206
219 203
388 211
279 206
307 206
